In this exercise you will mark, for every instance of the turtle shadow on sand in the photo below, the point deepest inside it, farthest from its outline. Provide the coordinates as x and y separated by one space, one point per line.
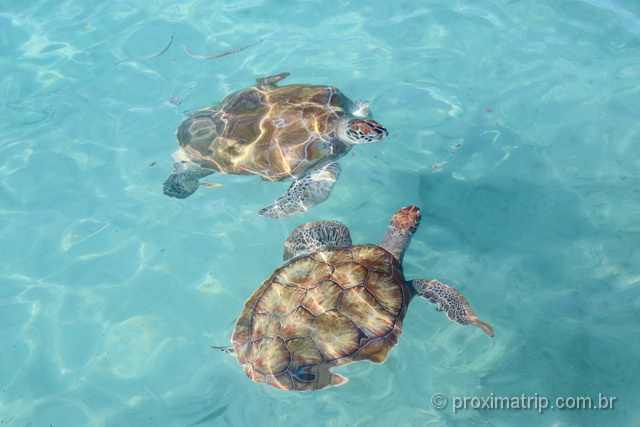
531 242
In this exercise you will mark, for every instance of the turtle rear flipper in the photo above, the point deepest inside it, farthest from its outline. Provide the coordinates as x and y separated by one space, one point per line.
183 181
305 192
269 83
316 237
231 351
449 300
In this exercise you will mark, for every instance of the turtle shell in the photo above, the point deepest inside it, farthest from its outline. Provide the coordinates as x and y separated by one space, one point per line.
319 311
275 132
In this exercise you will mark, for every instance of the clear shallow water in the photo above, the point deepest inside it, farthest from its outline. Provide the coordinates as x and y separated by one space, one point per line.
111 292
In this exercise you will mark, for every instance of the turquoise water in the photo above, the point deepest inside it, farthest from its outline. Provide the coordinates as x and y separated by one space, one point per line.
514 125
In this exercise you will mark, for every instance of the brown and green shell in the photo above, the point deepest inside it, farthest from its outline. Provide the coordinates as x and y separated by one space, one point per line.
275 132
320 311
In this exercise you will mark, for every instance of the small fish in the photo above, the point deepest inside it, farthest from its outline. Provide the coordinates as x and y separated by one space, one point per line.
212 416
173 102
437 165
177 100
218 55
189 113
152 56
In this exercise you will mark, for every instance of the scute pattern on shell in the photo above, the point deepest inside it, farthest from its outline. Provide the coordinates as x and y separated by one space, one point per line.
275 132
320 311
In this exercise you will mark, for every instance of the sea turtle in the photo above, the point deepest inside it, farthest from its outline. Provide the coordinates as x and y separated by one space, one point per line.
294 131
334 303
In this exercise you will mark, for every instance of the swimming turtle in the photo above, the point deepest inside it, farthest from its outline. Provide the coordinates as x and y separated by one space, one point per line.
334 303
294 131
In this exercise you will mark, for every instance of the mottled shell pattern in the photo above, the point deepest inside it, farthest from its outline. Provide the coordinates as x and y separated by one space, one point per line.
319 311
275 132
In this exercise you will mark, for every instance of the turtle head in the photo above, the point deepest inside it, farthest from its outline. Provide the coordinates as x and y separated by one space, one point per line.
406 219
402 226
361 131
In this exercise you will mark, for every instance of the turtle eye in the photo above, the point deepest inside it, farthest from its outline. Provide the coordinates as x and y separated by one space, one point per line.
366 131
369 126
305 376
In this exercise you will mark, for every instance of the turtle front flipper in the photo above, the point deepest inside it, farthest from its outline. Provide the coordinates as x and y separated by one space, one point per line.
305 192
449 300
183 181
316 237
360 109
